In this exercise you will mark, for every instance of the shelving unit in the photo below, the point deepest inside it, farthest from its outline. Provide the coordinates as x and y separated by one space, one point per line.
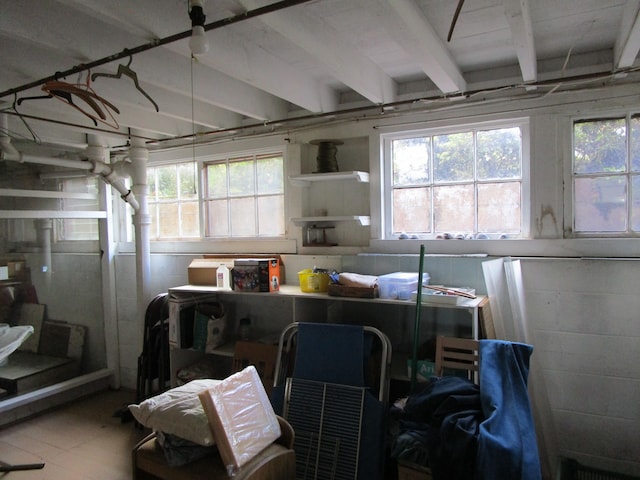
188 295
306 180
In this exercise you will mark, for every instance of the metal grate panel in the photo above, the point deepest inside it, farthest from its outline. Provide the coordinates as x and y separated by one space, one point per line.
326 419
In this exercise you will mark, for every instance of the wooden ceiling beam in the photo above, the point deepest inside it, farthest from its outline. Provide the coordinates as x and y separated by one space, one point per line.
628 41
518 16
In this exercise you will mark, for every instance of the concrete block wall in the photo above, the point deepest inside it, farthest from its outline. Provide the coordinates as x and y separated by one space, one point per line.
586 335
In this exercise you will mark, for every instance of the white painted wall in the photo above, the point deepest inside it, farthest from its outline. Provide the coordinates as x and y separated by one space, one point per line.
584 314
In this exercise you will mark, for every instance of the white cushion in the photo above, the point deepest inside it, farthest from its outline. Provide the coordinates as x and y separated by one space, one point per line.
241 417
178 412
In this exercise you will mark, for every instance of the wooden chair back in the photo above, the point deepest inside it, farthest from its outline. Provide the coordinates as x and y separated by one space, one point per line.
261 355
454 353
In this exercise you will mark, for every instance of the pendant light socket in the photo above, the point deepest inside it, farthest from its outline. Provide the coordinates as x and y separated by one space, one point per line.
198 42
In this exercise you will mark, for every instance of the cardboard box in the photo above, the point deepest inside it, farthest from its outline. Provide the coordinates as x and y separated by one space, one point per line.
426 370
202 271
256 274
17 269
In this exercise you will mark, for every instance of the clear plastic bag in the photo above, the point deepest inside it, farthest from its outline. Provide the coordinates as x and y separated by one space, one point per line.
11 338
241 417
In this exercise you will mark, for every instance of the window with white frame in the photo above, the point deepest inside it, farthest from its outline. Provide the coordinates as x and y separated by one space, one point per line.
606 176
465 182
81 194
244 196
173 201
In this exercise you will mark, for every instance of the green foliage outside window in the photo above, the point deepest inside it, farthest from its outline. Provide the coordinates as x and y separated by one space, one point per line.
467 182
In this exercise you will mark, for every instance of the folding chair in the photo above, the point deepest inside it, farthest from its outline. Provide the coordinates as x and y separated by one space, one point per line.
331 384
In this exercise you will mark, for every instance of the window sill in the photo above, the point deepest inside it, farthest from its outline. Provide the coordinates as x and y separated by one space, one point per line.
210 246
574 248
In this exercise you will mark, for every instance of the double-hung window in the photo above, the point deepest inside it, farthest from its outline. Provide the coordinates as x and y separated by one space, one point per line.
467 182
173 201
81 194
244 196
606 176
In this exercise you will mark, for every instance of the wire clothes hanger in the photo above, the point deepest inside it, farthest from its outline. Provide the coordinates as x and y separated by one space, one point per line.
127 71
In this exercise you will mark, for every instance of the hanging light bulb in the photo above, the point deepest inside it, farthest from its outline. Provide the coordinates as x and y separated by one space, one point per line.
198 42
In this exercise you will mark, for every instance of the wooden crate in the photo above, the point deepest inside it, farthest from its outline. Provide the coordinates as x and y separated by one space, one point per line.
413 472
336 290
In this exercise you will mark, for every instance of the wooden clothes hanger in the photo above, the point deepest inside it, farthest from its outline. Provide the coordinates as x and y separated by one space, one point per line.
127 71
62 95
66 92
85 93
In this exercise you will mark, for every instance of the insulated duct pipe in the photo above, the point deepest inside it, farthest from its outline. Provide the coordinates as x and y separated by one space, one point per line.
139 156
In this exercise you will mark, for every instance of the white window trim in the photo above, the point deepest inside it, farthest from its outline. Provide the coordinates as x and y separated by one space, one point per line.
569 193
384 139
201 161
287 244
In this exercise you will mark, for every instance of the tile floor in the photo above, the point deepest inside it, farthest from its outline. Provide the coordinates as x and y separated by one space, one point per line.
81 440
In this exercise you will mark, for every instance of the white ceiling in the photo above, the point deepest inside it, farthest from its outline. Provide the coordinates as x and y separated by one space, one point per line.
301 62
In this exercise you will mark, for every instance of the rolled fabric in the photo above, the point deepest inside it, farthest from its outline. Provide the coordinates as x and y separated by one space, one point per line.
357 280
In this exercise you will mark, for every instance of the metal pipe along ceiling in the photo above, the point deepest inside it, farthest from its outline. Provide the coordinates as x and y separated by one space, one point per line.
127 52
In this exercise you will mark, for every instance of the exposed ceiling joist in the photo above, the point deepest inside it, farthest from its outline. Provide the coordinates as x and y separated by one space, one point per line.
416 35
272 61
519 18
329 47
628 41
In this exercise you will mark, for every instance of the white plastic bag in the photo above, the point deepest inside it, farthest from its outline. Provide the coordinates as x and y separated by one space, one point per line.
11 338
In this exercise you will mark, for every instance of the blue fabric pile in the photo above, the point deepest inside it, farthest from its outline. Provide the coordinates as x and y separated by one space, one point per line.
462 431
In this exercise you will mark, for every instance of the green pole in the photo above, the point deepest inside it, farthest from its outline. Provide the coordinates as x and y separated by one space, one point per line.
416 326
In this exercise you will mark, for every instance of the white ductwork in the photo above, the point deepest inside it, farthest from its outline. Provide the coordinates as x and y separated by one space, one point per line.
95 164
139 156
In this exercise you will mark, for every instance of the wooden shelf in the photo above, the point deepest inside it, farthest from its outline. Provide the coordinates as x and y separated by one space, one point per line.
305 180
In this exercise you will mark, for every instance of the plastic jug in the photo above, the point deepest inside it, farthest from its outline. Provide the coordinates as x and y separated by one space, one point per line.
222 277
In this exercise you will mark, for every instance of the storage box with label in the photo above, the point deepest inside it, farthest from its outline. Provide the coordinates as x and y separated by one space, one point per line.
426 369
256 274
